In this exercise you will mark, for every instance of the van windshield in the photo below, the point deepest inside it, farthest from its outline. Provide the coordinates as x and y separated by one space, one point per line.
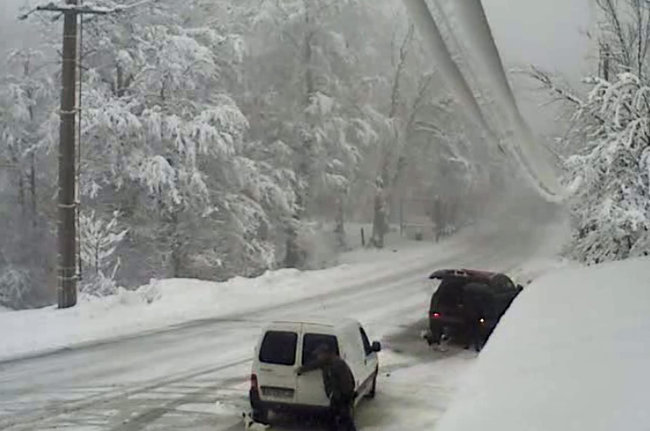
312 341
279 348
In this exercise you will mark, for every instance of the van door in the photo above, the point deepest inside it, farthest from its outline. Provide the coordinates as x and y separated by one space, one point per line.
310 389
277 361
354 354
370 362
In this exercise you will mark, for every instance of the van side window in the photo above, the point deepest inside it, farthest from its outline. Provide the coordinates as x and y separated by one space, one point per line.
279 348
366 342
311 342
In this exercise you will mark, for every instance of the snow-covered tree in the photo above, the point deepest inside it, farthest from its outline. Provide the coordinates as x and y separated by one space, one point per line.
99 240
607 148
609 175
166 145
295 99
26 101
223 133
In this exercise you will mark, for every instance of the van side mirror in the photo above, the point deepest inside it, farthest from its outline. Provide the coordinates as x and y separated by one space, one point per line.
520 288
376 346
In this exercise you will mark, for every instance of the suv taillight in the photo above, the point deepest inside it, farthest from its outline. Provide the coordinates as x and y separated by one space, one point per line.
254 385
436 315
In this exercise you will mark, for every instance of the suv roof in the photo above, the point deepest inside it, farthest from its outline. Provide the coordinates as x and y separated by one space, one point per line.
468 274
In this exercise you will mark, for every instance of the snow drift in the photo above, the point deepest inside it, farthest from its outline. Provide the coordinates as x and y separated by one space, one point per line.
571 354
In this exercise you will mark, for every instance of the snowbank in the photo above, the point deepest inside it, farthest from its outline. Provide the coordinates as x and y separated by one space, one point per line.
571 354
165 303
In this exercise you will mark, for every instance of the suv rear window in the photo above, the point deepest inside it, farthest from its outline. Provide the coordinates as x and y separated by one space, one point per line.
310 342
279 348
449 294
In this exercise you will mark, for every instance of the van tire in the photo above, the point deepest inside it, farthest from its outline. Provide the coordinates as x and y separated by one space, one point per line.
261 415
373 390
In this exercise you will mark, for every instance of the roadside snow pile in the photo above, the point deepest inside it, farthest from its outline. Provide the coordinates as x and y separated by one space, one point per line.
538 267
164 303
571 354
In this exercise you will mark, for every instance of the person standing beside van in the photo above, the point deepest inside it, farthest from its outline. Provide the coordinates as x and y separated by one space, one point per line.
339 384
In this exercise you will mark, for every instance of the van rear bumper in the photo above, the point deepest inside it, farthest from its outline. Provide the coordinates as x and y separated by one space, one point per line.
258 404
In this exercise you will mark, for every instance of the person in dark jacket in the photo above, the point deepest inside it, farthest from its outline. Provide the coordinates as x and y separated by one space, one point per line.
477 311
339 386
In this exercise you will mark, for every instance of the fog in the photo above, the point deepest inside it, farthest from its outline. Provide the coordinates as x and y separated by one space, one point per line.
272 155
548 33
15 34
551 34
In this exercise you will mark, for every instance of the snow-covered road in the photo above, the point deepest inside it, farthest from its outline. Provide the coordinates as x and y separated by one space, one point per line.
194 376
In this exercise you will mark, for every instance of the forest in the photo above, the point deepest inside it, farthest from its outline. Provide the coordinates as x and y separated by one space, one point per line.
220 139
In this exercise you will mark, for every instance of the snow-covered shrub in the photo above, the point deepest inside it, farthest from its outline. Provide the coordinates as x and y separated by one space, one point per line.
15 284
99 284
99 240
318 246
150 293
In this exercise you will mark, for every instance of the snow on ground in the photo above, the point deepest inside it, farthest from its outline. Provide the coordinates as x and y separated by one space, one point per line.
571 354
416 396
163 303
195 375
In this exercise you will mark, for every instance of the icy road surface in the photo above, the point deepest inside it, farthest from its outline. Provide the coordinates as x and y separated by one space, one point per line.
194 376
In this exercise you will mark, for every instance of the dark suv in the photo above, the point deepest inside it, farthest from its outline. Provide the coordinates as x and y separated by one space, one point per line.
468 305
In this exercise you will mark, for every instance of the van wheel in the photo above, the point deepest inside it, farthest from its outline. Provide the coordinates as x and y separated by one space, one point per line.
373 390
261 415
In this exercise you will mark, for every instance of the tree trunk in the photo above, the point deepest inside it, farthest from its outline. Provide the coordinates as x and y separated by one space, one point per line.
380 218
21 190
339 229
32 188
293 257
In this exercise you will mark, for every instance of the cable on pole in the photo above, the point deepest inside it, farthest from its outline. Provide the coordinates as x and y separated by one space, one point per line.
80 113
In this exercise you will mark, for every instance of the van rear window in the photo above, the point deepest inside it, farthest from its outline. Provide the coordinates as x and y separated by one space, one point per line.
279 348
311 342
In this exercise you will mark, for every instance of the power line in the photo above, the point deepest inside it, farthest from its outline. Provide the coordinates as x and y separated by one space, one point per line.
81 9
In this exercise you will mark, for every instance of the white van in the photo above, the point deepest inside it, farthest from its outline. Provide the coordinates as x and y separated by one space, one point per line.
286 345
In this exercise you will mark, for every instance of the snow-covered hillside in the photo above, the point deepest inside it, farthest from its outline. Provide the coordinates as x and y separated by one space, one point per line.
571 354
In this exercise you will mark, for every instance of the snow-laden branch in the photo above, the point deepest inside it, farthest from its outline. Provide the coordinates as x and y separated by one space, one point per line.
610 175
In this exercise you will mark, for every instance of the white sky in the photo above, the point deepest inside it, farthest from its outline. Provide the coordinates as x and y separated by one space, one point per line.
550 34
547 33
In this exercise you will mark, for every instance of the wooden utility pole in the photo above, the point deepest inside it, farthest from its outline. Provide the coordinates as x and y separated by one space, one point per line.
67 190
67 194
67 228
